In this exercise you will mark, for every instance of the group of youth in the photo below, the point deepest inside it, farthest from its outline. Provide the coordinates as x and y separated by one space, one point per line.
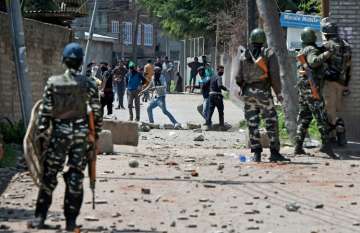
67 97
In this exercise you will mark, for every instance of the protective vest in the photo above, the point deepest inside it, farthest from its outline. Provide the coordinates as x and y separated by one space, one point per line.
317 73
70 96
339 61
251 71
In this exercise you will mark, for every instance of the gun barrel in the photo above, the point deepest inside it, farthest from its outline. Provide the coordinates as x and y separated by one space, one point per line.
93 198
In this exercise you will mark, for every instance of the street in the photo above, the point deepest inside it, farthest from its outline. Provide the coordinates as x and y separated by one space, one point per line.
183 108
182 185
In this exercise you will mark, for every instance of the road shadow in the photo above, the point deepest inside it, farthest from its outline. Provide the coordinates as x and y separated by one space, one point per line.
6 175
219 182
15 214
350 152
121 231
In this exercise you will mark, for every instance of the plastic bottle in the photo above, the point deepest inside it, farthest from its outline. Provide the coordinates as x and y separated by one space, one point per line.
243 159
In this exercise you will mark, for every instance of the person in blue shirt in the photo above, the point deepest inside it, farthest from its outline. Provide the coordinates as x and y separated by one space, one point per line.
158 86
134 81
204 86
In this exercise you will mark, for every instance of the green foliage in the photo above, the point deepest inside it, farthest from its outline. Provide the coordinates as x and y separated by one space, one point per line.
243 124
226 95
43 5
283 134
184 18
310 6
9 159
12 133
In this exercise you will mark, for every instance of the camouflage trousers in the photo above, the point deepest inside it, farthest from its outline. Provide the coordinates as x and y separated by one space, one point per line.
255 108
69 139
309 108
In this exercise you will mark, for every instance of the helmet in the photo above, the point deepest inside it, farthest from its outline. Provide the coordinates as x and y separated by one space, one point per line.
329 29
73 51
257 36
308 36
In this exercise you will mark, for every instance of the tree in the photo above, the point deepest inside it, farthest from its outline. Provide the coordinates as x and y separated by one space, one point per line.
185 18
135 31
270 16
36 5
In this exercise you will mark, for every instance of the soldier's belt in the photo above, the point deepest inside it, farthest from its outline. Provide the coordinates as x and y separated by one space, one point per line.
78 119
257 85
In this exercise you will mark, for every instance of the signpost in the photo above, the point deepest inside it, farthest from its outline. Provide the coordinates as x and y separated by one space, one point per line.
291 20
295 23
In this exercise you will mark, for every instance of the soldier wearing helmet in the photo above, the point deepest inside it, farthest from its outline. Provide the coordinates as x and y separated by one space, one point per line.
64 109
337 78
311 103
258 74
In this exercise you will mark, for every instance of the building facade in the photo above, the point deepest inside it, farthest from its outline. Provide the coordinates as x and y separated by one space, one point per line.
346 14
117 19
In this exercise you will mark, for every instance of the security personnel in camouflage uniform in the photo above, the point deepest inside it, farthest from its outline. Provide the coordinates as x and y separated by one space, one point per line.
256 91
310 103
65 105
337 77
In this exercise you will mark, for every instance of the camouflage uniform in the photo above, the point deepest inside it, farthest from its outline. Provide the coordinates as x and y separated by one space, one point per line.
337 77
258 99
64 108
310 106
258 73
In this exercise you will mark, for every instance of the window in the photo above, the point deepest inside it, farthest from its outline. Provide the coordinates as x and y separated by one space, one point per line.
139 35
128 33
115 26
148 34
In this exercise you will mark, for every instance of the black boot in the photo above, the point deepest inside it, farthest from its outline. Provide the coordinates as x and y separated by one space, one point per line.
326 148
37 223
299 150
257 157
71 224
277 157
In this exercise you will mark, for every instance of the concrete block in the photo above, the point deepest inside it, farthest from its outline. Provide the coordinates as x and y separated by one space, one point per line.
123 132
105 142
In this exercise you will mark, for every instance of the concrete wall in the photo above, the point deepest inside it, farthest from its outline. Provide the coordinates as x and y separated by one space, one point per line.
44 44
346 14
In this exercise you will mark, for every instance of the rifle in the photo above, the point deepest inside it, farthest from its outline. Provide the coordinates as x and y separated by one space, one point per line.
307 72
92 157
261 63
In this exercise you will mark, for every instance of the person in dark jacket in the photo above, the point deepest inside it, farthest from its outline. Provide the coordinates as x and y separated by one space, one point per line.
106 91
194 70
119 74
216 97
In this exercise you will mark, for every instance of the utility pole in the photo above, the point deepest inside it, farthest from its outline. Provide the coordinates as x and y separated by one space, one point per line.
122 36
325 8
91 33
269 14
136 9
19 50
251 16
217 41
